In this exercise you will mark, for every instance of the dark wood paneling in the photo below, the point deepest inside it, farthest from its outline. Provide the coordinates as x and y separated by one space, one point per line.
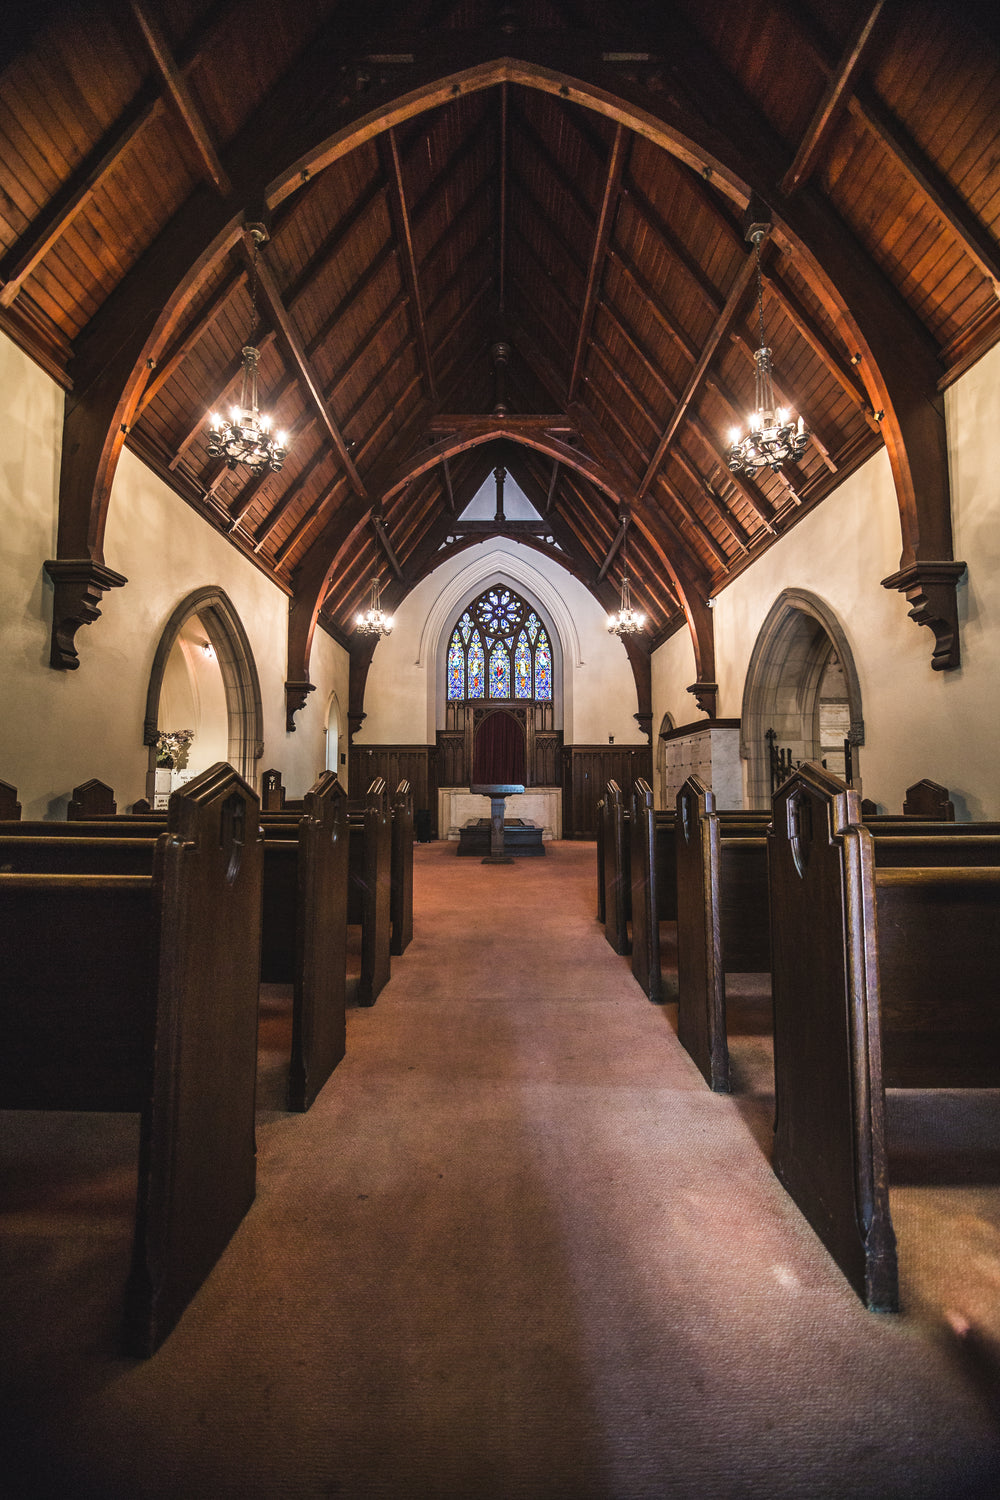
395 763
587 769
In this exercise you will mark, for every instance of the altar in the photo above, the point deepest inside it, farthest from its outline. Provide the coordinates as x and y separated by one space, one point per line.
540 805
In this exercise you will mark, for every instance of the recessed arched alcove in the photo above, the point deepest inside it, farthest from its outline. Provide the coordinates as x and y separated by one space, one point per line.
801 683
225 635
666 725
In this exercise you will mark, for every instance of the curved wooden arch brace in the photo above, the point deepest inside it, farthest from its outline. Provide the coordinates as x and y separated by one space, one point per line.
898 366
234 654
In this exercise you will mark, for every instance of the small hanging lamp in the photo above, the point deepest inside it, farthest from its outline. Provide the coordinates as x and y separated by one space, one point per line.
627 621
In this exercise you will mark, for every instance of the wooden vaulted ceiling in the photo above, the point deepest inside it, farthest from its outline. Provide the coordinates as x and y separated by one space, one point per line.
509 209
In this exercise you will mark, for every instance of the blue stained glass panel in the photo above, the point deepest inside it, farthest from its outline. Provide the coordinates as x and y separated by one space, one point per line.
456 668
499 673
543 668
522 668
532 623
477 668
465 626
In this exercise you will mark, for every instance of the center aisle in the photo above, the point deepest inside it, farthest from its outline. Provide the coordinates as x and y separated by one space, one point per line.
518 1249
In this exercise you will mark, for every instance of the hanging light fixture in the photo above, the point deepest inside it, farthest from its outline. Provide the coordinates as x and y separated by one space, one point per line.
628 620
246 438
774 436
373 621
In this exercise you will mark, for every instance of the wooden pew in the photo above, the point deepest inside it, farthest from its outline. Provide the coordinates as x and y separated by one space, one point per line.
93 799
617 869
927 800
600 862
10 808
722 919
304 938
645 890
883 977
139 993
369 888
401 868
272 795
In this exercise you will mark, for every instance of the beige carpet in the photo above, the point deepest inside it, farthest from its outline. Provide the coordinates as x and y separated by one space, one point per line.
516 1249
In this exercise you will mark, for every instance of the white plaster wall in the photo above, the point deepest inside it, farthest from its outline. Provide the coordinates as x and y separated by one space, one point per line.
401 696
61 728
673 670
942 725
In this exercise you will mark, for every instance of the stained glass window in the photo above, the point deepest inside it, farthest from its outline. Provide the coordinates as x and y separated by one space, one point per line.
456 668
499 673
477 668
543 667
499 649
522 668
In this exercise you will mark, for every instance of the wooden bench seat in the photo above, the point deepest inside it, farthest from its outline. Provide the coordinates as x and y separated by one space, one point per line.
369 901
883 977
138 992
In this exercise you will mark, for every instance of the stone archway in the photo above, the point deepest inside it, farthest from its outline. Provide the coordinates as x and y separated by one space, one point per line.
239 675
802 683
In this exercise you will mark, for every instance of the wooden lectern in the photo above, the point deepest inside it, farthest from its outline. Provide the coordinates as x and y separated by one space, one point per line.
498 794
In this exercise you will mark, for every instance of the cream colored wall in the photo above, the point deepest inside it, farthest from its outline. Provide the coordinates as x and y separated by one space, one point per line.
942 725
193 696
404 683
61 728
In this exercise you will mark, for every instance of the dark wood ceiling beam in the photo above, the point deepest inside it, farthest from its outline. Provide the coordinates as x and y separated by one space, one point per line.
278 313
176 85
598 253
612 551
336 242
389 149
379 528
502 227
691 516
172 361
831 106
714 501
89 177
306 521
550 496
654 303
513 425
449 488
822 346
866 107
742 283
266 527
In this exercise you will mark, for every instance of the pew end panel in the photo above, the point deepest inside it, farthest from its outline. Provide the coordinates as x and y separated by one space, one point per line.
829 1143
369 894
645 921
92 799
701 999
617 870
197 1164
319 1023
402 868
10 808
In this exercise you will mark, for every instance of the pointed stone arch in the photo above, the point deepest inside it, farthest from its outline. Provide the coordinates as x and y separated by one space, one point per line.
239 675
781 691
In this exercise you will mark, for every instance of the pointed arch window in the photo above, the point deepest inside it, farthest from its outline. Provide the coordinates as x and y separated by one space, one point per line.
499 649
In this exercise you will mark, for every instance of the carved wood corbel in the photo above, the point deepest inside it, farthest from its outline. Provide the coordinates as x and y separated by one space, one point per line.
931 590
705 695
78 584
645 723
296 694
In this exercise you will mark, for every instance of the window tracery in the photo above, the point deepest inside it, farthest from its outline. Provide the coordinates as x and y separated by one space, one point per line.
499 649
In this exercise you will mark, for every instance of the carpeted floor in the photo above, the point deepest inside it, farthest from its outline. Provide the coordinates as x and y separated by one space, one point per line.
516 1249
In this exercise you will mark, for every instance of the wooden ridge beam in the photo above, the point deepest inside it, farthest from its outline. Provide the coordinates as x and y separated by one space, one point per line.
404 233
277 312
504 189
176 85
598 253
831 106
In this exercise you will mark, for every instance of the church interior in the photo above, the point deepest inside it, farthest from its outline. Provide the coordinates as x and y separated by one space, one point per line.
463 393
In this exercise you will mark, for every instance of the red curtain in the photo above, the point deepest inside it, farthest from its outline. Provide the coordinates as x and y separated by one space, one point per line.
498 751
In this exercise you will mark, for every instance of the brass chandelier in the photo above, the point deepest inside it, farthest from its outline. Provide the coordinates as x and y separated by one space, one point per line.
246 438
374 621
627 621
774 435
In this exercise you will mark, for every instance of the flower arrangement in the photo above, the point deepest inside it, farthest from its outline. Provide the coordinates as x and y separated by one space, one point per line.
172 747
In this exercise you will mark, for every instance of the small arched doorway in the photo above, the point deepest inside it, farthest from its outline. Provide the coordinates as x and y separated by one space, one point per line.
802 694
204 665
662 758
